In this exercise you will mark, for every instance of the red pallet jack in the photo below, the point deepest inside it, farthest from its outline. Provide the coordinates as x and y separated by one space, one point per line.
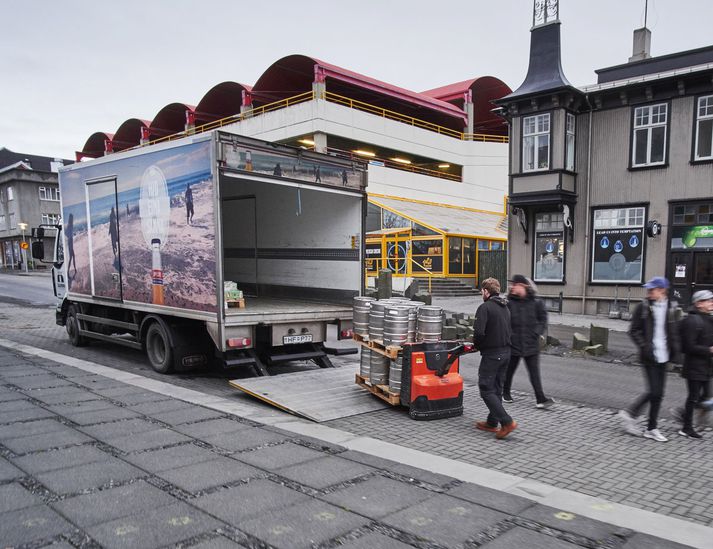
431 386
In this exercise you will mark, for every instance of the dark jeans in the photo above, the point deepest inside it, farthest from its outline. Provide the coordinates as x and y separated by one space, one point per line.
655 375
533 370
491 375
698 391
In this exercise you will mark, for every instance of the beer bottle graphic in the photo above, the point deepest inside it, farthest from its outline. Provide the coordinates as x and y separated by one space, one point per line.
156 273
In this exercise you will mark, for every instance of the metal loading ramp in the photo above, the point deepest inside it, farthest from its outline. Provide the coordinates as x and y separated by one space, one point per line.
318 395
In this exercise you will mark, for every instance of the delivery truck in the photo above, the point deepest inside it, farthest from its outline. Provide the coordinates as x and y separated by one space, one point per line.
211 247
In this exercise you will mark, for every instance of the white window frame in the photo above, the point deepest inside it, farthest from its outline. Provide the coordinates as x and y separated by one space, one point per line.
3 226
569 142
646 119
704 112
533 128
43 193
626 218
10 194
555 224
50 219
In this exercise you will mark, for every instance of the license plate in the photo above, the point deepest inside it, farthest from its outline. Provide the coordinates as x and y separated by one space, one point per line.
304 338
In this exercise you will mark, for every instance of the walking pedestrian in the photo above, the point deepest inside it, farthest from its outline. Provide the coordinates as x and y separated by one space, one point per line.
492 338
528 320
653 329
697 346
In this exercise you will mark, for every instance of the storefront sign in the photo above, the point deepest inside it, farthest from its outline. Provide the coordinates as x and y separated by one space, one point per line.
695 237
549 256
680 271
618 255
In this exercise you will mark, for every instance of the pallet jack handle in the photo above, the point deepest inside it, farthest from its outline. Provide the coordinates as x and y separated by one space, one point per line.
454 354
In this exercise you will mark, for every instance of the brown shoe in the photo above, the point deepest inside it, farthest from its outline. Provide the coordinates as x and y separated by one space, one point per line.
505 430
485 426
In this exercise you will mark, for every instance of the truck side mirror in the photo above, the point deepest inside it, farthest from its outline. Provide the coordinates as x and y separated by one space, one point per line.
38 250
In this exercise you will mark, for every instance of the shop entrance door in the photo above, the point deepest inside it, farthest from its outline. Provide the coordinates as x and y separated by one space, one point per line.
702 271
690 272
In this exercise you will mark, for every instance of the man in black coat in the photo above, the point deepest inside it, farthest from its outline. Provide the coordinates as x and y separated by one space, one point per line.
492 338
655 331
528 319
697 347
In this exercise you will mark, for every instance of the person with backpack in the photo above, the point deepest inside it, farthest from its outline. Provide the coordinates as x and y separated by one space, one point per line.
528 319
697 346
654 331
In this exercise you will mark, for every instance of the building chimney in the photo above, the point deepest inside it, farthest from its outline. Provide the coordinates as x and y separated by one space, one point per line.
642 45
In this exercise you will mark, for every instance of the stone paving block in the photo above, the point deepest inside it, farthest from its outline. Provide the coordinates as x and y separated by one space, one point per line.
101 416
26 414
273 458
494 499
207 474
378 497
644 541
43 462
62 395
245 501
106 431
170 458
368 459
9 471
62 436
421 475
93 382
165 526
303 525
81 407
106 505
13 497
374 540
153 407
569 522
147 440
186 415
444 520
216 543
520 537
15 405
211 427
39 382
27 428
31 524
7 395
142 397
244 439
324 471
90 475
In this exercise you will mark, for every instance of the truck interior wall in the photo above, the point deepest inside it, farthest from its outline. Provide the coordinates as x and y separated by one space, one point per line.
307 242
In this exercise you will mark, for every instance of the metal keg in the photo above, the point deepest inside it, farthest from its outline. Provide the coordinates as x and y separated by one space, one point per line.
395 372
412 317
378 369
395 325
430 324
361 315
376 320
364 363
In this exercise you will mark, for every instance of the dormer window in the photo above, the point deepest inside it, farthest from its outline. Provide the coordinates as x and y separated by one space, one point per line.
649 139
536 143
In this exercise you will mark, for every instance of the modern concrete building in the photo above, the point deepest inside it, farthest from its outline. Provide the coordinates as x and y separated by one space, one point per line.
611 183
29 197
437 159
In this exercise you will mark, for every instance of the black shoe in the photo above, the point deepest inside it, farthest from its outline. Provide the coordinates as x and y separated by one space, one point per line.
547 403
690 433
507 399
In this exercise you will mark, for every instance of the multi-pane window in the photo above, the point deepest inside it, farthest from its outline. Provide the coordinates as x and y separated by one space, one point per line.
2 223
49 193
649 142
569 142
693 214
536 142
704 128
10 193
50 219
549 247
618 245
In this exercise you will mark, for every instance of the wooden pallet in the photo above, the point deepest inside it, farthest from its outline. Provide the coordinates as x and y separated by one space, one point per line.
236 303
360 338
391 351
381 391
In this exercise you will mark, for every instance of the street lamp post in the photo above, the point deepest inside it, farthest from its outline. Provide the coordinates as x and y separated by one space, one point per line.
23 228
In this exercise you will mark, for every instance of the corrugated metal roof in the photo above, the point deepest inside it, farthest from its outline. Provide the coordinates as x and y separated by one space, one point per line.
449 219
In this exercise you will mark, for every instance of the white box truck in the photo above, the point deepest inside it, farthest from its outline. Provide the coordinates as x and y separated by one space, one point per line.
151 236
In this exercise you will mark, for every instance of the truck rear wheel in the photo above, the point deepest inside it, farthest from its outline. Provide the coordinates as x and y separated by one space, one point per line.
158 349
72 327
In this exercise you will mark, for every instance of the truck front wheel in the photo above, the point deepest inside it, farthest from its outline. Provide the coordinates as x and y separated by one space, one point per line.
158 349
72 327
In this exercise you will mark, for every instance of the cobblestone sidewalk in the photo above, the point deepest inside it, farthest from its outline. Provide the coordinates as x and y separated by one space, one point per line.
86 461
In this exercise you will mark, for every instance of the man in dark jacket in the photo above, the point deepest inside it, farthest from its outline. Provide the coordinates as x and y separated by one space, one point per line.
697 347
528 319
654 330
492 338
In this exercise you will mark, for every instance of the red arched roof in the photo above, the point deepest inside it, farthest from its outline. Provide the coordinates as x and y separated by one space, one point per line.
129 133
169 120
94 147
485 90
294 74
220 101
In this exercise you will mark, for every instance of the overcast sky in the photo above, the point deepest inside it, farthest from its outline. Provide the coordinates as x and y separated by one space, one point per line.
70 67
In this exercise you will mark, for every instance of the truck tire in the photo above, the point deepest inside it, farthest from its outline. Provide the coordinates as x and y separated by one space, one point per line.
72 327
158 349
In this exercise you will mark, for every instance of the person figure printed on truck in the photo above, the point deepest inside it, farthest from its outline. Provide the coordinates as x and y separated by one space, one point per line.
317 174
528 319
491 336
113 231
697 346
278 170
654 330
69 235
189 204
